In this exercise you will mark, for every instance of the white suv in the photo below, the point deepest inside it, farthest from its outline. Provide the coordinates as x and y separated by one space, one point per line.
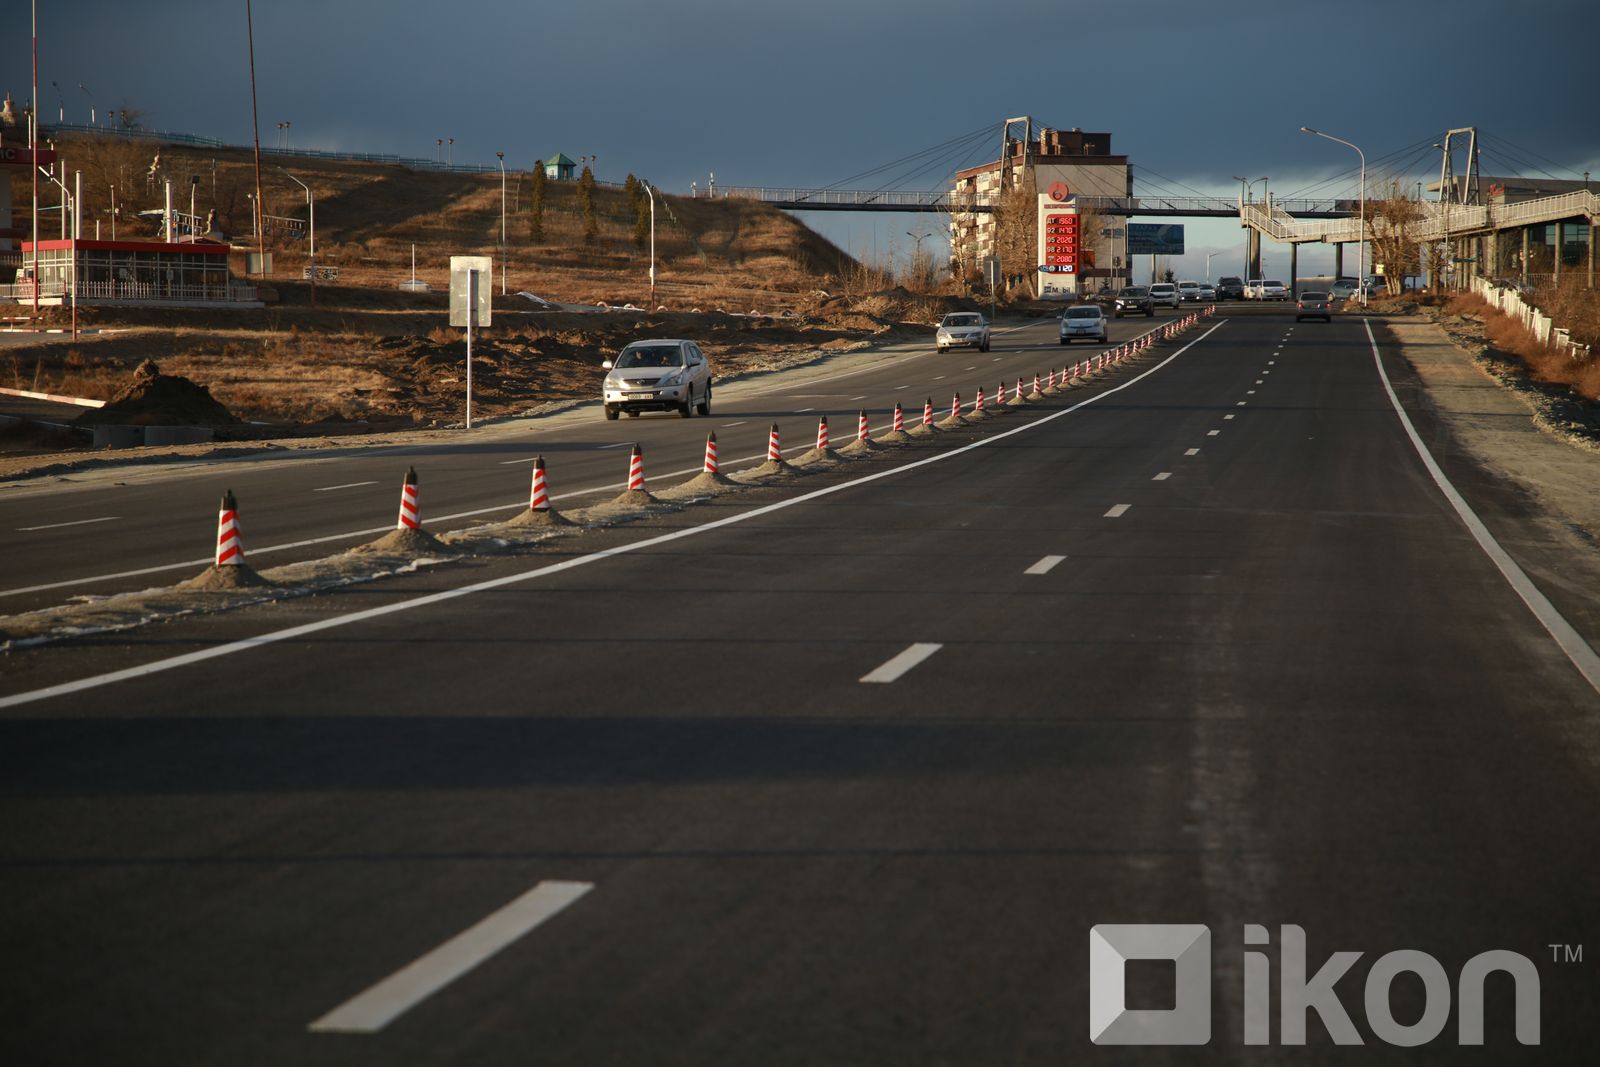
1164 293
1189 293
666 375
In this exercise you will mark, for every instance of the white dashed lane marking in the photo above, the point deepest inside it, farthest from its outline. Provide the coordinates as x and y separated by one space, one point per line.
1213 433
87 522
1118 511
1045 565
376 1008
1192 452
349 485
1163 476
900 664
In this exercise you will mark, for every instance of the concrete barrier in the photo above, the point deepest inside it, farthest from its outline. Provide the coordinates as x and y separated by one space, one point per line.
177 435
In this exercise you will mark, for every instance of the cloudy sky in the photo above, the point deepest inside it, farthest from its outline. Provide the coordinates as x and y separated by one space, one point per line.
768 93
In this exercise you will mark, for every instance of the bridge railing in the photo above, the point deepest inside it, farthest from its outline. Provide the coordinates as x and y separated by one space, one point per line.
1545 209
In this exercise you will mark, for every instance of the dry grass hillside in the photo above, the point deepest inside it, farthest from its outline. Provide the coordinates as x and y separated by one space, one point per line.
371 356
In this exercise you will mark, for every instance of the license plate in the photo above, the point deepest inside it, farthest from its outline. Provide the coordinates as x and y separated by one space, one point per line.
640 396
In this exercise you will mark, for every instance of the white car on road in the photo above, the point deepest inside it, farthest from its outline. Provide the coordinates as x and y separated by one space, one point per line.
1164 293
1085 322
664 375
966 329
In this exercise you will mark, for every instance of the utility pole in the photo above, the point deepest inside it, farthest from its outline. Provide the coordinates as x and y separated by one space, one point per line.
652 194
500 157
255 127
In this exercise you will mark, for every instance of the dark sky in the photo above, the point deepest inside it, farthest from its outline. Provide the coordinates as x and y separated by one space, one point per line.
766 93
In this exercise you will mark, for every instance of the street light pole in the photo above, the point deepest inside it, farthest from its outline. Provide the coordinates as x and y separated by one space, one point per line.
311 201
652 194
90 95
1361 226
500 157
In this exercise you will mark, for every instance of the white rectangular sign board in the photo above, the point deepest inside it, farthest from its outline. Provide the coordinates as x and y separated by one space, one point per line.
462 291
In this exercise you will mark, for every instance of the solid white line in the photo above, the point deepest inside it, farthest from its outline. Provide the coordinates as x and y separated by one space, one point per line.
1118 511
371 1011
602 448
1572 643
59 525
346 485
863 396
802 411
1045 565
731 425
900 664
1163 476
277 636
1192 452
1212 433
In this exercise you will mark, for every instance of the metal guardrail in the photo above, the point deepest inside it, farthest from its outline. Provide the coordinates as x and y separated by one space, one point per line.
133 291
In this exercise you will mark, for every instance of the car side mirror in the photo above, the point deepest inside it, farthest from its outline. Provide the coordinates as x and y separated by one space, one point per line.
607 365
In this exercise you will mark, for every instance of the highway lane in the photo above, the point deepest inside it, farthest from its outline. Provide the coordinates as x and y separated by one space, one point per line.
104 532
1280 685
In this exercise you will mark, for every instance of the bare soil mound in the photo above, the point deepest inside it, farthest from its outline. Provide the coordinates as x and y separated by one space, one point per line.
156 399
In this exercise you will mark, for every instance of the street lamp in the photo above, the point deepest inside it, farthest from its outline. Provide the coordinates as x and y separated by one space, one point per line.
500 157
916 262
450 143
311 201
652 194
1208 266
90 95
1361 227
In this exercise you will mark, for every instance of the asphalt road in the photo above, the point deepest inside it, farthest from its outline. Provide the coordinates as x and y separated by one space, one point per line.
99 533
1211 649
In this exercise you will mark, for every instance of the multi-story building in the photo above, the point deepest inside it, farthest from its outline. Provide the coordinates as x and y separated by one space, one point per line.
1083 161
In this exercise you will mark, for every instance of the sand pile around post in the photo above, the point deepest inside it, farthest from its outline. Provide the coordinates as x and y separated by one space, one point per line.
859 447
770 468
1016 401
405 542
818 457
156 399
703 484
923 429
542 517
223 579
633 498
952 422
1037 394
895 437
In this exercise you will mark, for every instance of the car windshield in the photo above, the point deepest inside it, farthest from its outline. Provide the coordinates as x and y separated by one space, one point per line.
1083 313
961 320
650 356
1133 290
1277 284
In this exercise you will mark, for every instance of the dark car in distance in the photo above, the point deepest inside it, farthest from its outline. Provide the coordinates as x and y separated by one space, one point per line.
1230 289
1134 300
1314 304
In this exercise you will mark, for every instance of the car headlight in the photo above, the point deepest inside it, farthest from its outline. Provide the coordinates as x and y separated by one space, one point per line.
671 379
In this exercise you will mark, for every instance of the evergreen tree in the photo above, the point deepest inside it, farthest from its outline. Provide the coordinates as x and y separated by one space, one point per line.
536 202
639 200
591 225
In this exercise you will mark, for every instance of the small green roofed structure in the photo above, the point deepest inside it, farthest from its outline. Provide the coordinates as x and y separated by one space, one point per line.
560 167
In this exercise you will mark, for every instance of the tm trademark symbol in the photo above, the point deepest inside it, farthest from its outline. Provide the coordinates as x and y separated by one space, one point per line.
1560 953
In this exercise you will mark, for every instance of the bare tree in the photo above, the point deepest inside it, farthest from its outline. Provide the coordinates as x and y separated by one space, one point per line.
1391 227
1016 220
